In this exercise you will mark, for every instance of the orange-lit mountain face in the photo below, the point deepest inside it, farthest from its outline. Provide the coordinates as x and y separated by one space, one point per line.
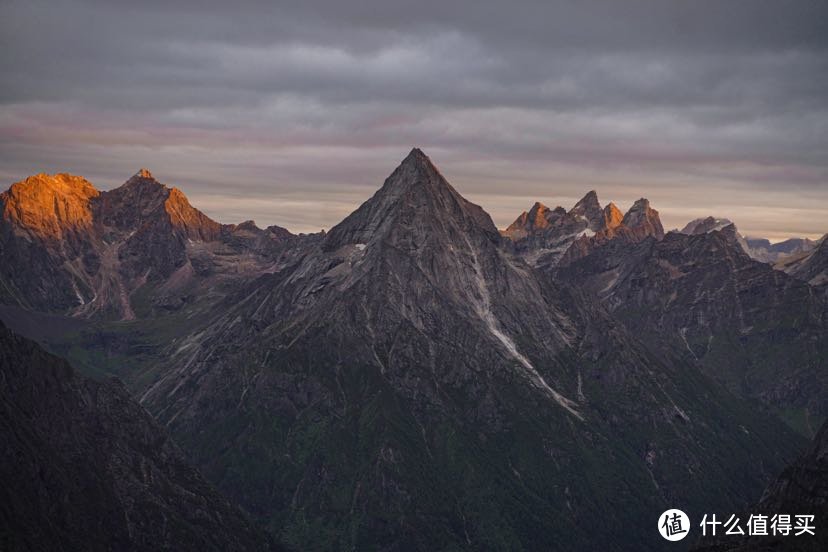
69 248
49 207
545 237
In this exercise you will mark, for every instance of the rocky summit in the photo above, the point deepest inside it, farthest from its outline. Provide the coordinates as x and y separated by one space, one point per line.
119 254
416 379
545 238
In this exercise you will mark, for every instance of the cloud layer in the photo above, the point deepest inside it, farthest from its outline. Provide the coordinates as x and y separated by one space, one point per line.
293 114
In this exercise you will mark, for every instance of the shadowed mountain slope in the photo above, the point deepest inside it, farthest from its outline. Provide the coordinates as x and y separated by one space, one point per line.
756 329
84 467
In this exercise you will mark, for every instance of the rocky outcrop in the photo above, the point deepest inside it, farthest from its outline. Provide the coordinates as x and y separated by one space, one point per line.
643 221
590 210
536 220
613 217
640 223
810 266
546 238
542 236
85 468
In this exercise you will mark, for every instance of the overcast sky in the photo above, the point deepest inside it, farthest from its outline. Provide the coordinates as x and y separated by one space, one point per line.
293 113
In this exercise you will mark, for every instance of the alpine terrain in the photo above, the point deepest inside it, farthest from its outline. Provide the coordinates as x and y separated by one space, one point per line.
415 378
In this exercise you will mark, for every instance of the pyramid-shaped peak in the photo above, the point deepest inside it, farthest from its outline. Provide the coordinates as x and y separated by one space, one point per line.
589 209
417 155
414 194
590 200
143 179
417 162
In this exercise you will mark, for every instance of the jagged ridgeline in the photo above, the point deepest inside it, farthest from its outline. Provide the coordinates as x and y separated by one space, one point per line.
416 379
133 251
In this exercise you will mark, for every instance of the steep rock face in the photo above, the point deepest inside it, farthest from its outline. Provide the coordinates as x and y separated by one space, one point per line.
160 221
810 266
752 327
43 221
140 247
613 217
409 383
84 467
589 209
138 213
537 219
49 207
642 220
414 203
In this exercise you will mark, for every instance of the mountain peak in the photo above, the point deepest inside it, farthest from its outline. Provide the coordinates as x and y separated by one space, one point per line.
537 218
612 216
47 205
416 155
588 201
537 215
589 208
705 225
643 219
415 197
143 181
417 162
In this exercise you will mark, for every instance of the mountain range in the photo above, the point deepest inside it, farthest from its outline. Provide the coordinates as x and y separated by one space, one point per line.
417 379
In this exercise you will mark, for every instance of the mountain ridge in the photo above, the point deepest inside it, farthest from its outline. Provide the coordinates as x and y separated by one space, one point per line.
72 249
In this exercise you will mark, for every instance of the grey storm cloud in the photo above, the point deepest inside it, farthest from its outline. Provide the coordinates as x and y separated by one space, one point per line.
292 112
